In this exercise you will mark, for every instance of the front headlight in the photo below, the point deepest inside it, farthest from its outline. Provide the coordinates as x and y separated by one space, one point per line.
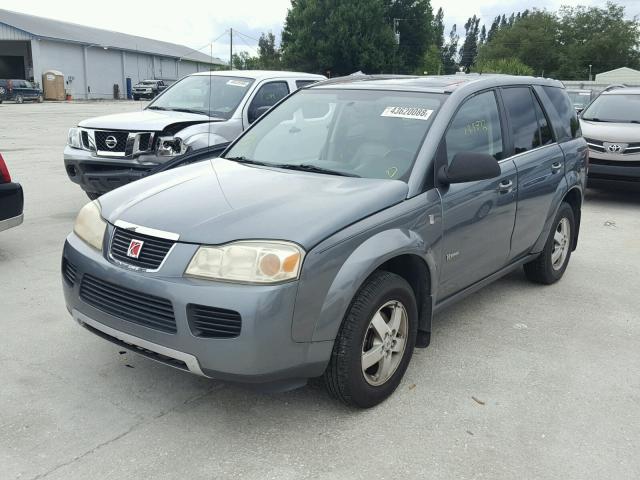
171 146
248 262
90 226
73 138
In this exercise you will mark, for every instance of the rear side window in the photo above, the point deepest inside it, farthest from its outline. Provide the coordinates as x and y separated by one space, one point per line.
568 126
304 83
476 128
518 102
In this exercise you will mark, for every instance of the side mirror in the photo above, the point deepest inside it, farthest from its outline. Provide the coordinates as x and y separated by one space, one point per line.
257 113
469 167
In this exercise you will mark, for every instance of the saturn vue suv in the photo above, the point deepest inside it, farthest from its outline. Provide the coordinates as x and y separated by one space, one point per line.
325 238
611 127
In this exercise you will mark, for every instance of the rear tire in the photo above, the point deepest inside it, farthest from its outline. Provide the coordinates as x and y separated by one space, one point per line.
375 342
550 266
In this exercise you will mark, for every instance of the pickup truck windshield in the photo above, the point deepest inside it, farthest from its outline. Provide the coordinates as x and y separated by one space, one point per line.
216 96
364 133
618 108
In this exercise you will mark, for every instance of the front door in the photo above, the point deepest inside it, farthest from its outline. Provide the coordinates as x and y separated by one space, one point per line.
478 217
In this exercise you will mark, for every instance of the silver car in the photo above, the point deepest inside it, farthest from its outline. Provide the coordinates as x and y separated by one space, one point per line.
197 112
611 127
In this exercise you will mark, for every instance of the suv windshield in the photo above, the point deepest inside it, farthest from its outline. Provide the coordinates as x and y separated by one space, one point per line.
618 108
364 133
212 95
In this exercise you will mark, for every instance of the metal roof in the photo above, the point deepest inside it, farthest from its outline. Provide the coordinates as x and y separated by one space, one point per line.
262 74
47 28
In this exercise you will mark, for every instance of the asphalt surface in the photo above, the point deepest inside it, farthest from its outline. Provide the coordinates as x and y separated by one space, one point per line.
521 381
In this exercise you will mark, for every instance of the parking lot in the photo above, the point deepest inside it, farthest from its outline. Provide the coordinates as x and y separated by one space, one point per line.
521 381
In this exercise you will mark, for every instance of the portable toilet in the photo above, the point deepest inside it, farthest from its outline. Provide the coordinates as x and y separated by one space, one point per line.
53 85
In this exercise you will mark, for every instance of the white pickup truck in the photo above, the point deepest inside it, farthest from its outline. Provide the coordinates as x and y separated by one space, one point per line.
200 111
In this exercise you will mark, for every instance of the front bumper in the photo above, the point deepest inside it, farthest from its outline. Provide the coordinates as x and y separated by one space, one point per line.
11 205
607 167
264 352
101 175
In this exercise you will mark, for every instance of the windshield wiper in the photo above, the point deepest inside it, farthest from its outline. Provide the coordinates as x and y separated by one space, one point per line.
248 161
188 110
305 167
153 107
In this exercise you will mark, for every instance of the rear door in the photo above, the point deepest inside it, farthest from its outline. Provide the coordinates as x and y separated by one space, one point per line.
478 217
539 162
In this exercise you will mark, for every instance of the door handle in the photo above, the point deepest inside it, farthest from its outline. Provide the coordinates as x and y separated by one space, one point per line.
556 166
505 186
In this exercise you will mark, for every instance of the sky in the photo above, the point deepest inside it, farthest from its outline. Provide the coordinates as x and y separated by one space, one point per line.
200 23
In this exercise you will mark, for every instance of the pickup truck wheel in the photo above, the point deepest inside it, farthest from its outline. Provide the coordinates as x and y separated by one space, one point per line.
549 267
375 342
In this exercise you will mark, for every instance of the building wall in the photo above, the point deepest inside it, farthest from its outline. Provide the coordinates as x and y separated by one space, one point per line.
62 56
619 76
7 32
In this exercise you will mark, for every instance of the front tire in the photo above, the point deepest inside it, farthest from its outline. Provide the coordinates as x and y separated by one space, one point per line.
19 99
375 342
550 266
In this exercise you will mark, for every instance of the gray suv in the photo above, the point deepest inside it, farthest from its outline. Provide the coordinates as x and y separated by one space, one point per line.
327 236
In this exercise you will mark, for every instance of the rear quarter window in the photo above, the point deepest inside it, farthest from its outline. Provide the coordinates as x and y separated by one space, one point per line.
564 116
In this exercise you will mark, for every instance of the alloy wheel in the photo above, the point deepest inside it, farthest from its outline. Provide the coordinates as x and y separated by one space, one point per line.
561 245
384 343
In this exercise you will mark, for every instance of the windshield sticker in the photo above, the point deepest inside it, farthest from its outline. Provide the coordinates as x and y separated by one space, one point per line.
392 172
237 83
413 113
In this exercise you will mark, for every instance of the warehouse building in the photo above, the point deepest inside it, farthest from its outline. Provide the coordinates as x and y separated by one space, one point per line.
92 60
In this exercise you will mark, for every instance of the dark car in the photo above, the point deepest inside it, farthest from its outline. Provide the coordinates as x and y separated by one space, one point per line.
324 239
20 91
148 89
11 199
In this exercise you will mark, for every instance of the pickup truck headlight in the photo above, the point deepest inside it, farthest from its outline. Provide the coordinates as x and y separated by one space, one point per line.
171 146
73 138
248 262
90 226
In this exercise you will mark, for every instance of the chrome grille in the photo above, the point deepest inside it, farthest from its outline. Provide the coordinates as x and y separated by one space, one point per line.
152 254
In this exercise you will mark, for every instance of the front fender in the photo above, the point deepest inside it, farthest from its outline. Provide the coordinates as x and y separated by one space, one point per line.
335 270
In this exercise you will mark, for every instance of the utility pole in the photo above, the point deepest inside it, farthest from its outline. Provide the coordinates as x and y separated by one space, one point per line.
590 72
231 49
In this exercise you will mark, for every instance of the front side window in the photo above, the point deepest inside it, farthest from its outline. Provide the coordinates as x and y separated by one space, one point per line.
267 96
522 118
476 128
372 134
618 108
213 95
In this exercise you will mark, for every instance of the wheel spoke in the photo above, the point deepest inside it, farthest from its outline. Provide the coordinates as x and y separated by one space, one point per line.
371 357
384 370
558 237
557 253
396 318
380 325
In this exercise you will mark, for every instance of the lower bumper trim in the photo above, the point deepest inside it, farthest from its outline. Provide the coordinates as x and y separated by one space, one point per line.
182 361
11 222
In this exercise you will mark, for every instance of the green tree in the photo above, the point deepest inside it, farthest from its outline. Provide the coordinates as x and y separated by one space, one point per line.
533 39
469 49
268 53
244 61
414 22
337 36
510 66
449 51
601 37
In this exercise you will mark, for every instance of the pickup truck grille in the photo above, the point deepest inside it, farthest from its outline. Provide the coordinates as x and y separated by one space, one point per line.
119 137
135 307
152 254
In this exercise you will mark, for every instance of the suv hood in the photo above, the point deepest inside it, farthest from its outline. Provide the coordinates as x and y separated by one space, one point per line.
611 132
219 201
145 120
